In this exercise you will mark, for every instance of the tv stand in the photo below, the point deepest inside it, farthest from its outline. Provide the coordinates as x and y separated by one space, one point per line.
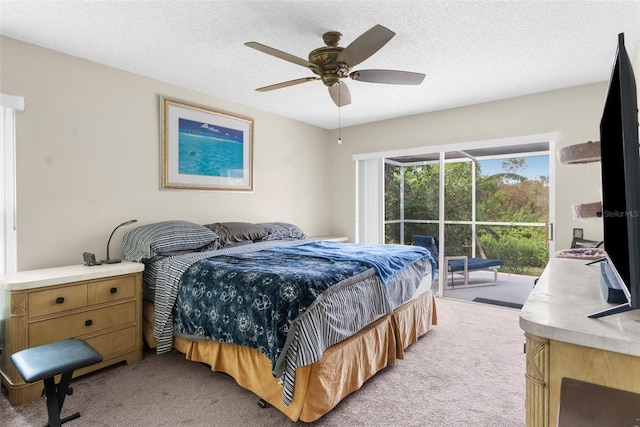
562 342
613 310
613 291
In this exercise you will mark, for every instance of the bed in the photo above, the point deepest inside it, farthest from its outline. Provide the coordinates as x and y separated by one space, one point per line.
339 313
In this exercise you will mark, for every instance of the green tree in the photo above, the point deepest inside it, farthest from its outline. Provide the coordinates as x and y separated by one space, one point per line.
503 197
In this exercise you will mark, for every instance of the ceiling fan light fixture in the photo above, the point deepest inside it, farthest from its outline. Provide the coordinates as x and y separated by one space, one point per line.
330 80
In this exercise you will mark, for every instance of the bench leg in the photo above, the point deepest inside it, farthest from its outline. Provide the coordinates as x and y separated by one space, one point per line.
56 395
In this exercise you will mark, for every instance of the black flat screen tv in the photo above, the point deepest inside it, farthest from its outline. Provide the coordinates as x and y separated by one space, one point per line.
620 165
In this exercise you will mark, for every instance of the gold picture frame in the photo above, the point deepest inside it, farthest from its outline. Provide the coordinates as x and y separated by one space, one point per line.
205 149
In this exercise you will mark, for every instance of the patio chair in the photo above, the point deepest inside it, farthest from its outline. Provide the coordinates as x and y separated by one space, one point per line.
460 264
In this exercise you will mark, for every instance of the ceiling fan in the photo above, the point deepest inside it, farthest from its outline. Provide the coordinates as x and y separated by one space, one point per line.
331 63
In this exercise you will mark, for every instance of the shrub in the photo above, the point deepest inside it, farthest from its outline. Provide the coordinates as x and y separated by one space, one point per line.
518 253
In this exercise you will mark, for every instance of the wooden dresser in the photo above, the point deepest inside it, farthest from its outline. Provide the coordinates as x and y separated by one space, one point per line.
562 342
100 304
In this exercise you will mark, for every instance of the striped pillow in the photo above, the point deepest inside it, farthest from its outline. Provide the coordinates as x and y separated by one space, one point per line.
150 240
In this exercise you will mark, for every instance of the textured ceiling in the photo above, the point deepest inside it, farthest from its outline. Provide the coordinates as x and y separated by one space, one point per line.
471 52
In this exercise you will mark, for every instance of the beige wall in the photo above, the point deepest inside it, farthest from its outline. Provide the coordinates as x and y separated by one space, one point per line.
573 113
88 159
88 156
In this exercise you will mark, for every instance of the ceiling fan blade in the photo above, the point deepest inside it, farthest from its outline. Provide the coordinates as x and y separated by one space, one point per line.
282 55
340 94
392 77
286 84
366 45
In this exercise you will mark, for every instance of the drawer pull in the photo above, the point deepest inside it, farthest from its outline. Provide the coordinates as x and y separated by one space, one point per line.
59 300
88 322
113 290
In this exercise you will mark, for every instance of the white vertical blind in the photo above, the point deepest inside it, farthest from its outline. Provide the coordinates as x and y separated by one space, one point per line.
8 248
370 201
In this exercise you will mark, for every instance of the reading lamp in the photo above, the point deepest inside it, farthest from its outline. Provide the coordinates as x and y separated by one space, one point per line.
109 260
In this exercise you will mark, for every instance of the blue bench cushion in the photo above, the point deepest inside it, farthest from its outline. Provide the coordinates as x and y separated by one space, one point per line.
474 264
431 243
49 360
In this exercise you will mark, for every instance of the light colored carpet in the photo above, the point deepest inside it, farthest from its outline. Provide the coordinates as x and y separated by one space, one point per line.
468 371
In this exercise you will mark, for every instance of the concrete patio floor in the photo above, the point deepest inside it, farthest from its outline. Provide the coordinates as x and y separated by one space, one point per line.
510 288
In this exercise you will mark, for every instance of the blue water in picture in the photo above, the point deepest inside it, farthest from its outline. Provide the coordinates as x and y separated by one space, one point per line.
205 149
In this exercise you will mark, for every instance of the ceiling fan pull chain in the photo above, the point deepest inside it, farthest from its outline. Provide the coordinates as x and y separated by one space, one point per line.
339 108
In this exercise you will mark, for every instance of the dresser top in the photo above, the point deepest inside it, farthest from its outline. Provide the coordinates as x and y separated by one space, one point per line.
567 292
59 275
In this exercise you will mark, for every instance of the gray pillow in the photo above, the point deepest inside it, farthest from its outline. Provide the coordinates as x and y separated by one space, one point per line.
283 231
150 240
234 232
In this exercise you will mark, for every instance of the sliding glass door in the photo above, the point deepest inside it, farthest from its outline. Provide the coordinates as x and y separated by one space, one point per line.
493 206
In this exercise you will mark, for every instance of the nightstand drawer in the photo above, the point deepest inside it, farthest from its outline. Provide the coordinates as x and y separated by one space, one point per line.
76 325
111 290
114 341
56 300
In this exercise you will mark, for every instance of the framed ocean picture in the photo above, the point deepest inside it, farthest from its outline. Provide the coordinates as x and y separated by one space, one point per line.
205 149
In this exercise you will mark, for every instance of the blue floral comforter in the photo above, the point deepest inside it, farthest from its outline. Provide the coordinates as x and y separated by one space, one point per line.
251 299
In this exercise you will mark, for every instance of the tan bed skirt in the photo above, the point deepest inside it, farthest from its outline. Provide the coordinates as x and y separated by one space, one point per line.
319 387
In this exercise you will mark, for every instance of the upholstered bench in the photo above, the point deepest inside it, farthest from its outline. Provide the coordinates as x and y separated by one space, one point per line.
46 361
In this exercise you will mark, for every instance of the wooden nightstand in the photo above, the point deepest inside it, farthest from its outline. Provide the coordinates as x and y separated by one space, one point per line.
100 304
339 239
